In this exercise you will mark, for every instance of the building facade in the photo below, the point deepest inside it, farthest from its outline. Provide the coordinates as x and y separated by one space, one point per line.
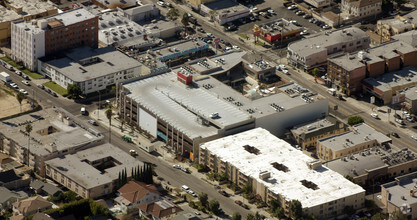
361 8
278 31
386 28
278 172
37 38
313 52
224 11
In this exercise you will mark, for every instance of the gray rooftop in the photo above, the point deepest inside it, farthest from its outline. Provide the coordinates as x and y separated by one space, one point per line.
8 15
321 42
108 61
406 20
314 126
411 93
361 133
225 6
394 79
6 194
278 26
140 9
28 8
409 37
399 190
65 137
217 64
76 168
348 62
375 158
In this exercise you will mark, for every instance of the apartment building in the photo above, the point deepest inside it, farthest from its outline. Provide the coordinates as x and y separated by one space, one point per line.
91 69
55 133
277 31
313 52
400 195
361 8
31 206
360 138
183 116
42 37
307 134
347 71
318 3
275 170
387 28
15 10
112 4
93 172
376 165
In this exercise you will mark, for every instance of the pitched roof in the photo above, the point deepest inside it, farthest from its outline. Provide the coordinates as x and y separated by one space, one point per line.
160 209
6 194
32 204
41 216
8 176
47 187
134 190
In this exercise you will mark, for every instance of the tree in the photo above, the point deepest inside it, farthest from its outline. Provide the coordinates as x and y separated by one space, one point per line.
172 13
315 72
214 206
258 216
250 216
20 96
203 197
185 20
397 215
247 188
378 216
236 216
296 210
349 210
74 90
109 114
351 179
122 122
28 129
355 120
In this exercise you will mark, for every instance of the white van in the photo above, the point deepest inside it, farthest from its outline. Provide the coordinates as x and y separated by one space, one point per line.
184 187
83 110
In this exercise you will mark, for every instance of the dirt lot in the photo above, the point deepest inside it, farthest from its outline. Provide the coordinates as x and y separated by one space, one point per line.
9 104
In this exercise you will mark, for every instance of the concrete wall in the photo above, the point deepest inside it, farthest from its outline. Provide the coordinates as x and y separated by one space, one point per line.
376 69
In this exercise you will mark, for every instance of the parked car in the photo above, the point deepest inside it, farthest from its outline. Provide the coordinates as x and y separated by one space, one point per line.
25 76
292 7
374 115
395 135
54 94
176 166
14 85
26 82
238 202
300 13
91 121
162 4
307 16
410 119
271 12
41 86
327 26
133 153
185 170
414 137
23 91
224 193
19 73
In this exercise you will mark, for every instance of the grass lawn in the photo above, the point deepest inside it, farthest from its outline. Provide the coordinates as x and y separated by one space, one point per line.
6 59
32 74
56 88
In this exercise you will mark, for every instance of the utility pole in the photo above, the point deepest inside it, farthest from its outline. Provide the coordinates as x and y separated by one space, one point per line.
99 105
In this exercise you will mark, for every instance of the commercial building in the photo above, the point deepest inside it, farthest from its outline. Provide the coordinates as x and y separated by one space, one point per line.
184 109
37 38
362 137
347 71
224 11
313 52
360 9
277 31
91 69
400 195
388 87
407 37
142 12
375 165
276 170
160 59
318 3
307 134
387 28
112 4
15 10
93 172
410 99
55 133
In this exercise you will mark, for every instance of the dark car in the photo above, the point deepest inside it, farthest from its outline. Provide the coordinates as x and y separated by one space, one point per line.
395 135
397 116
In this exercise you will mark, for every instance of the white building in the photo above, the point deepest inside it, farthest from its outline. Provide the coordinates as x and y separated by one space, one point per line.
91 69
361 8
313 52
276 170
223 11
318 3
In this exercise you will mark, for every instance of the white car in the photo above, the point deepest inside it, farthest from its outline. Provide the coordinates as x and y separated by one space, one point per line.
282 66
327 26
304 32
176 166
14 85
270 11
210 35
227 48
26 82
23 91
414 137
292 7
374 115
286 72
161 4
236 48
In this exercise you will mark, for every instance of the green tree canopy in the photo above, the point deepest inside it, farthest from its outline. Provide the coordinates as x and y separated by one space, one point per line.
296 210
74 90
214 206
250 216
185 19
236 216
172 13
203 197
20 96
355 120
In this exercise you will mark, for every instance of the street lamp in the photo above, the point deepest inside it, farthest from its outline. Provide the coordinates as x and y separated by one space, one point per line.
99 105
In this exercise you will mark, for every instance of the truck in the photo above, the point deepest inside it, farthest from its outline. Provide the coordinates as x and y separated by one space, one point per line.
5 77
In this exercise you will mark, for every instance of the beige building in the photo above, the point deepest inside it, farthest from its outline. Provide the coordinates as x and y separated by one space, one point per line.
57 134
31 205
91 173
22 10
400 195
362 137
361 8
306 135
386 28
276 170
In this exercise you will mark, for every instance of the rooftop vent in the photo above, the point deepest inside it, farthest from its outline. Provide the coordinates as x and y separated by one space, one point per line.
252 150
280 167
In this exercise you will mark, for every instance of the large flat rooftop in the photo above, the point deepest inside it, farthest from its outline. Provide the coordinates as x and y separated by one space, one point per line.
314 126
78 166
61 135
394 79
278 26
361 133
85 63
225 6
399 190
330 185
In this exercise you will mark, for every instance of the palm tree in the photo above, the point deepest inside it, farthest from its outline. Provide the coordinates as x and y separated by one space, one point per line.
122 122
109 113
20 96
28 129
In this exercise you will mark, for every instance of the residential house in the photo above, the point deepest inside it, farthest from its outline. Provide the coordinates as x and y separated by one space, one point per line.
162 209
11 180
135 193
387 28
44 188
7 197
31 205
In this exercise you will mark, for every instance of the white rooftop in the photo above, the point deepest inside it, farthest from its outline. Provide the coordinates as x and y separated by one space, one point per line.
331 185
